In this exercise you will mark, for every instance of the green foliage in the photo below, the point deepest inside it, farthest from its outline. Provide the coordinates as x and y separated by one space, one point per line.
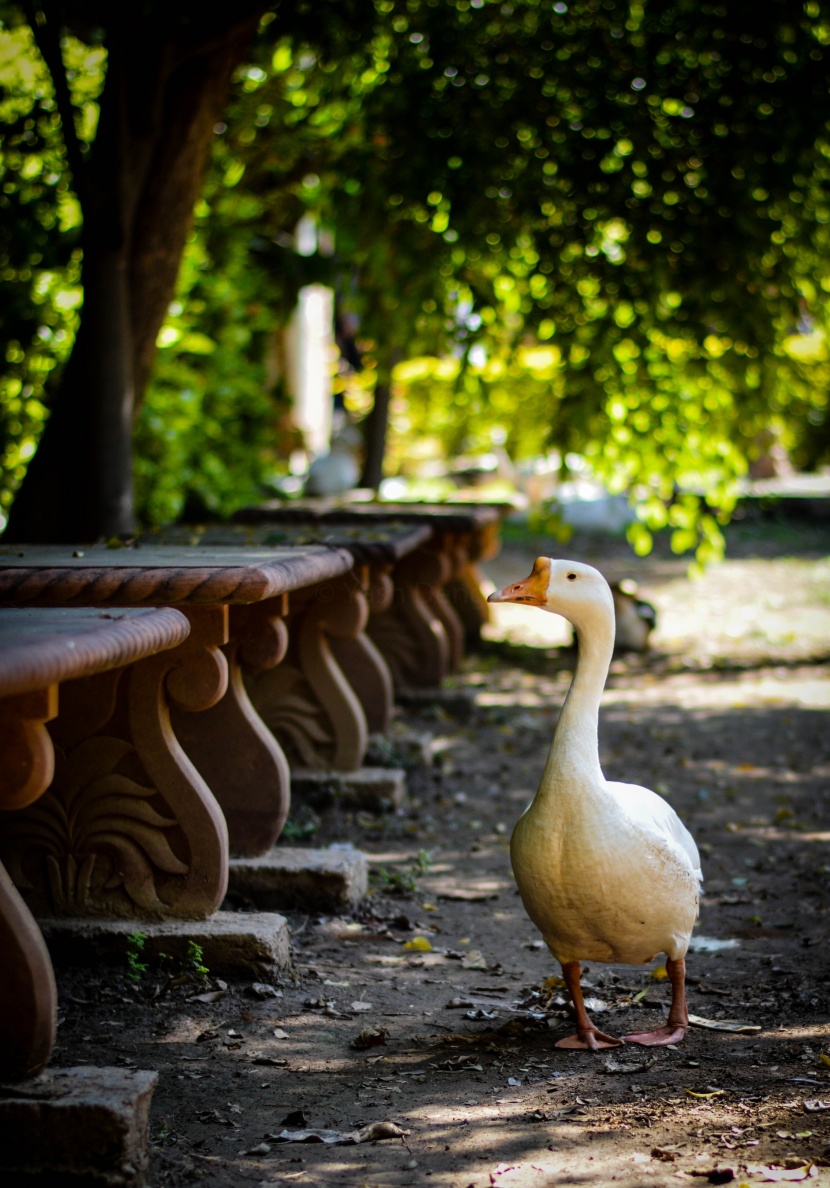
402 882
394 882
210 433
135 966
609 218
301 825
185 969
194 961
40 296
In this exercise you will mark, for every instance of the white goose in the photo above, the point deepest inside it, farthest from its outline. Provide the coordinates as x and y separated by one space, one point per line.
606 871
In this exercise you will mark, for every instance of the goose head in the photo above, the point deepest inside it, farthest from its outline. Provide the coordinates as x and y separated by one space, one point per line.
576 591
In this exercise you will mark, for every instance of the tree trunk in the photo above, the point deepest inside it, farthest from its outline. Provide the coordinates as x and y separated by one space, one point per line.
162 98
193 102
378 422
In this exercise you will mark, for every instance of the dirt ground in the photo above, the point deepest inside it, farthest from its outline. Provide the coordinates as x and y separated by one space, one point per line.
430 1009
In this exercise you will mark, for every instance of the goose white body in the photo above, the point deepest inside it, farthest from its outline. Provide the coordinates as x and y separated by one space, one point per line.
607 871
607 874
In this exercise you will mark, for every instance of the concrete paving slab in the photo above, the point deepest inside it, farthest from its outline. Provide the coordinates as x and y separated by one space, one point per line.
76 1126
375 789
331 880
231 942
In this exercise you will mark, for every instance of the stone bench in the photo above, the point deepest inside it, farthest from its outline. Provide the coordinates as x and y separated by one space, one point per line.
437 605
40 651
333 688
180 726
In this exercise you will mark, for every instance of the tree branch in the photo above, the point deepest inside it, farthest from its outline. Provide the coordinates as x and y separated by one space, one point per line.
47 40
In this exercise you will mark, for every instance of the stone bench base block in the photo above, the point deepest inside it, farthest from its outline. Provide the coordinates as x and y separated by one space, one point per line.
375 789
231 942
333 880
76 1126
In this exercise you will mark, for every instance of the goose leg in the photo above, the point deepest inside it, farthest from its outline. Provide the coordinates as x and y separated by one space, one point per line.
674 1029
587 1035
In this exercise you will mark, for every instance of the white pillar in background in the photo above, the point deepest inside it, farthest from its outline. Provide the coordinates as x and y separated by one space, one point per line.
310 355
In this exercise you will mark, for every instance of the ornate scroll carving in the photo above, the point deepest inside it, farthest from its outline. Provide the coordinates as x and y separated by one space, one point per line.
306 700
464 587
232 747
451 548
128 827
361 660
28 761
468 602
28 998
411 635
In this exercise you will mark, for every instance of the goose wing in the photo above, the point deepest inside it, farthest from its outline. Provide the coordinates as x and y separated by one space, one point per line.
650 812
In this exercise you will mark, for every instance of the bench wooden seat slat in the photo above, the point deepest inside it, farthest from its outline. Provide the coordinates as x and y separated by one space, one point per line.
50 575
44 646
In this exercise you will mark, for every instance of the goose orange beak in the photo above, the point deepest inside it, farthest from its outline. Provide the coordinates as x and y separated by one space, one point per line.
531 591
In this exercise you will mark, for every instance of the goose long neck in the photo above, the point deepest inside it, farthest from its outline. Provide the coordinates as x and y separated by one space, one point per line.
573 760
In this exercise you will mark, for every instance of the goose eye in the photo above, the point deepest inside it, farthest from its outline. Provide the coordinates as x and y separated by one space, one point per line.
571 577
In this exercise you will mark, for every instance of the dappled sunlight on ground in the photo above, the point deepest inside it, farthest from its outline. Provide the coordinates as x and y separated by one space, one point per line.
436 1006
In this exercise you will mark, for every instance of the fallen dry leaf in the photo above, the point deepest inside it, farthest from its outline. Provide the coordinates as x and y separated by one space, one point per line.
710 944
370 1037
611 1065
313 1135
596 1005
724 1024
460 1064
815 1106
711 1093
373 1132
665 1156
473 960
265 990
554 983
780 1175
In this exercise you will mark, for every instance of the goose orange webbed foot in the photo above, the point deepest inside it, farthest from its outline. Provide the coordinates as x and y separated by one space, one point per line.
589 1040
668 1034
675 1027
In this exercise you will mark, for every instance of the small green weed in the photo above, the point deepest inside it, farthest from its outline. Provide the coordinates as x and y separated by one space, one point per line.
135 966
422 862
190 968
300 827
195 960
395 882
403 882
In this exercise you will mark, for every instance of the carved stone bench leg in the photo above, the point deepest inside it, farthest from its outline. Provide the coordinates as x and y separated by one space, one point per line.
455 546
468 602
361 660
411 635
128 827
28 998
306 701
231 746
